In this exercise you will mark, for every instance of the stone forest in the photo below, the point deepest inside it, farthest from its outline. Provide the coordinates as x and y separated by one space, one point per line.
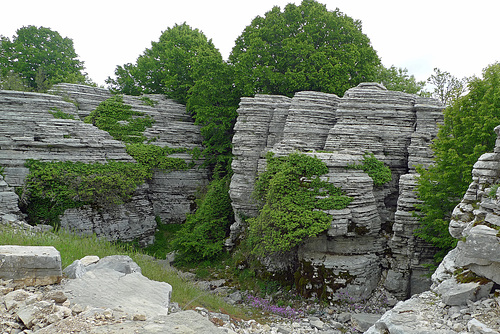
370 243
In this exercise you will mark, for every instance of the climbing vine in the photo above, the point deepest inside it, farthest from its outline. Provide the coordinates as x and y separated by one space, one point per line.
380 173
119 120
295 199
154 156
53 187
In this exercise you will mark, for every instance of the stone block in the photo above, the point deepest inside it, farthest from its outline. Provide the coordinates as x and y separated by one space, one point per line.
30 265
454 293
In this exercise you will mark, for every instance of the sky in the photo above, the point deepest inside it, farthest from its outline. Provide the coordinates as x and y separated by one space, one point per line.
457 36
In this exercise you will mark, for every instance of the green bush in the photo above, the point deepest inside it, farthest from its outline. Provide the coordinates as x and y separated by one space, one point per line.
53 187
58 113
119 120
154 156
380 173
294 197
202 235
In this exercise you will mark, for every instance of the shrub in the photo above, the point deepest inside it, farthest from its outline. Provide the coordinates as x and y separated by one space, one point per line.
294 197
119 120
380 173
53 187
157 157
58 113
202 235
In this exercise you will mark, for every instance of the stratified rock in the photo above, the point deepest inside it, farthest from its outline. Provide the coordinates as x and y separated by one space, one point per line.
28 130
30 265
396 127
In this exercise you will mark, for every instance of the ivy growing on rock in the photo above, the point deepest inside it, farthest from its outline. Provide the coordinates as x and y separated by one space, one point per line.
380 173
53 187
157 157
295 199
119 120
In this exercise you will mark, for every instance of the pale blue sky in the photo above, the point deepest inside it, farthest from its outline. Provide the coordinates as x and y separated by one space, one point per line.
457 36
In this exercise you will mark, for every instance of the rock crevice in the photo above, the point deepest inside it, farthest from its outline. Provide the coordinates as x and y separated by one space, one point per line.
396 127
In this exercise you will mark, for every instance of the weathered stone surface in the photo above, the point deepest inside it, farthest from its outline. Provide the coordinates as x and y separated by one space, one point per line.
362 321
28 130
117 283
475 220
30 265
413 316
395 126
455 293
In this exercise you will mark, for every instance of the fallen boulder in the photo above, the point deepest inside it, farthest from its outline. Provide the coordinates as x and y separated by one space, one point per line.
30 265
116 282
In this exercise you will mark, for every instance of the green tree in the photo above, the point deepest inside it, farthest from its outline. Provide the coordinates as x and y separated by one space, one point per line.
167 67
202 236
40 57
303 47
398 79
466 134
213 102
447 88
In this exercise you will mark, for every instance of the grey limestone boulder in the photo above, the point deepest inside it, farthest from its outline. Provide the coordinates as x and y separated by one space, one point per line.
30 265
116 282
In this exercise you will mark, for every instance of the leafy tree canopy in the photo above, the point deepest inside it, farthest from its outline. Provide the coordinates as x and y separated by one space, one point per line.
447 88
466 134
303 47
168 66
398 79
38 58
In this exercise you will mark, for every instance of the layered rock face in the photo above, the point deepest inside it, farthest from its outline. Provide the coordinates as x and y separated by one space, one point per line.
476 222
28 130
462 296
361 248
171 193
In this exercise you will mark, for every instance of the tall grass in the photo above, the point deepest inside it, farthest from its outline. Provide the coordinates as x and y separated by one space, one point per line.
73 247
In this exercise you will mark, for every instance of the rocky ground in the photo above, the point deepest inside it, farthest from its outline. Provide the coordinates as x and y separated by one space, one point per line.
48 310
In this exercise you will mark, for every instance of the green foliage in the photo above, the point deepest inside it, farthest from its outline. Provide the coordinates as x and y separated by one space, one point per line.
154 156
167 67
40 58
202 235
493 191
52 187
466 134
447 88
164 235
58 113
147 101
73 247
398 79
294 198
118 118
213 101
380 173
303 47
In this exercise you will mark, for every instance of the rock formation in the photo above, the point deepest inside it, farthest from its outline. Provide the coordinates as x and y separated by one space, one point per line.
372 239
28 130
462 293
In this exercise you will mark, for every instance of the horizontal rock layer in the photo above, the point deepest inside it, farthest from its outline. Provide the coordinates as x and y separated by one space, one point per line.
396 127
28 130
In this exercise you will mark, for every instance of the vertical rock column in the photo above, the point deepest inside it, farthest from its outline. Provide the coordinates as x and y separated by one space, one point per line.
252 130
409 274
